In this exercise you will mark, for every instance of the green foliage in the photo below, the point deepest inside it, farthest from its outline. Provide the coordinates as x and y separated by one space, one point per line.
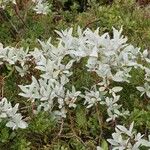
21 144
141 117
81 118
4 135
42 123
76 144
43 129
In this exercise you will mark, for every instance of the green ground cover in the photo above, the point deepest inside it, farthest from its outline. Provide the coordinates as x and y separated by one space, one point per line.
81 130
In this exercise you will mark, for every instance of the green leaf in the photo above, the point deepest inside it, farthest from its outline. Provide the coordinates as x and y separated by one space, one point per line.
104 145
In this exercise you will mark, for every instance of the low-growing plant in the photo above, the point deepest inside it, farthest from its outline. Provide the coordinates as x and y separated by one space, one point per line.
109 60
89 89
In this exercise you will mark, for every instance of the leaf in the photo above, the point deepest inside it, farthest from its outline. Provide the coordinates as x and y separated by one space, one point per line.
148 93
122 128
145 143
56 73
22 124
117 89
94 52
131 126
141 89
11 124
104 145
69 65
145 53
3 115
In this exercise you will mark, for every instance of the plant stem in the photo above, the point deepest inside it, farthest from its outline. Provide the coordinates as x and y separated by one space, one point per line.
100 120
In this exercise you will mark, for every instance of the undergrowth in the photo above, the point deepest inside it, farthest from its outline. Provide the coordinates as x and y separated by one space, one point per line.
81 129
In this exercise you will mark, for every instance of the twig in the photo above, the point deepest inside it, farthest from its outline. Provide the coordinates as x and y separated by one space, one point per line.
99 120
28 6
17 13
59 133
7 19
87 25
61 127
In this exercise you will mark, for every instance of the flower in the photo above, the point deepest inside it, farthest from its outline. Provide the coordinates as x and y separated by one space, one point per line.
10 114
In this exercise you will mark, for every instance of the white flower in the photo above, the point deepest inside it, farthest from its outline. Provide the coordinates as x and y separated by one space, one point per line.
61 113
145 89
42 7
113 109
104 70
92 97
71 97
127 139
16 122
122 76
22 71
10 113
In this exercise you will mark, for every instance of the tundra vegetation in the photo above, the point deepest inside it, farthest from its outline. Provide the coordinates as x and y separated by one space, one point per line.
74 75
